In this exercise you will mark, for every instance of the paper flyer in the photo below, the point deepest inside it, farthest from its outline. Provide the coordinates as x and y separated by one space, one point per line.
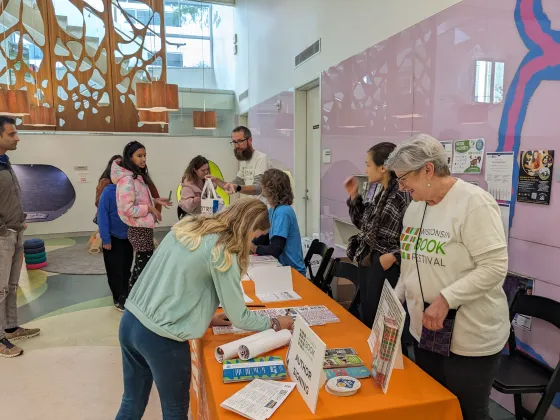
385 338
468 156
512 284
535 177
498 174
259 399
448 146
505 212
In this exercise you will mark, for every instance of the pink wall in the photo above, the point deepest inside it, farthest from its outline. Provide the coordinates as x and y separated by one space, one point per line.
273 129
423 80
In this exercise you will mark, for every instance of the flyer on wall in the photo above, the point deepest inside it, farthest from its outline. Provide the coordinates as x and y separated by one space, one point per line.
535 176
468 156
448 146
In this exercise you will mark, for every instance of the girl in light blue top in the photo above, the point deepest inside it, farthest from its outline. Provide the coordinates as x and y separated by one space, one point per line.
283 241
198 265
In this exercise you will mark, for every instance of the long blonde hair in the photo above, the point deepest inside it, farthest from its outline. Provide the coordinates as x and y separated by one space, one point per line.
234 227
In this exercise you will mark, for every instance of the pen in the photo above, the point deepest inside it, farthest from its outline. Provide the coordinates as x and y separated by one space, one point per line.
170 193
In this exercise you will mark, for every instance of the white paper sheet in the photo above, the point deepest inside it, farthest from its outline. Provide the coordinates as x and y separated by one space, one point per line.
264 344
505 211
468 156
259 399
246 298
278 296
270 279
498 174
448 146
317 315
229 350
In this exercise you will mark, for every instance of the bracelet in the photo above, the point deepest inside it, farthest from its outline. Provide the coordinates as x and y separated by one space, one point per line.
275 324
238 188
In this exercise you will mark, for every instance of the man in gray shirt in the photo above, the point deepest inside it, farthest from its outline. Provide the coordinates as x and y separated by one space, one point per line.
12 225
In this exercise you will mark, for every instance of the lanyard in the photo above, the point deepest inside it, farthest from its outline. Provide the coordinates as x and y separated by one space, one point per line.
416 251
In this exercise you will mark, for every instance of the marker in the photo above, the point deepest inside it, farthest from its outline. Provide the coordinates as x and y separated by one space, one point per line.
170 193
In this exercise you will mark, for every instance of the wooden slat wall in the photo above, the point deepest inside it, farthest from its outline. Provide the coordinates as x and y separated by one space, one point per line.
79 109
44 71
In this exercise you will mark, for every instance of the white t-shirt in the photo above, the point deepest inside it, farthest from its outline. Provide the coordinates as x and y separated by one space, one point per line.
460 229
251 171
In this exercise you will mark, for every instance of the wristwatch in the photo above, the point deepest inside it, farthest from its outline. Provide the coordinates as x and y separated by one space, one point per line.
238 188
275 324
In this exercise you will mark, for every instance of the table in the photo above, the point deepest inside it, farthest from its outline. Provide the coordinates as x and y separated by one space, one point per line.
412 394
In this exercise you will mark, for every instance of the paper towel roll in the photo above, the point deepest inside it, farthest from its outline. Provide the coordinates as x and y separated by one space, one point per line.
264 345
229 350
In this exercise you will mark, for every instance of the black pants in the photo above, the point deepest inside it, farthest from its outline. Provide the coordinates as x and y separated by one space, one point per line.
142 240
118 262
371 279
140 261
469 378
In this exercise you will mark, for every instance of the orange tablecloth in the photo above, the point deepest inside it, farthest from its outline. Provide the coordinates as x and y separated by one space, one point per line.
412 393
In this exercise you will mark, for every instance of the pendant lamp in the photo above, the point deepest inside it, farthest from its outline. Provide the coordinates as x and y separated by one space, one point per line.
153 118
14 103
157 97
204 120
40 116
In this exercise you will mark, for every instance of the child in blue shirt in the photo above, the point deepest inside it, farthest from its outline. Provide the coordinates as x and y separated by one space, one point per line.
117 250
283 240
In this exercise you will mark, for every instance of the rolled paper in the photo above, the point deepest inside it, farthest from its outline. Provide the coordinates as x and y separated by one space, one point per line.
229 350
263 345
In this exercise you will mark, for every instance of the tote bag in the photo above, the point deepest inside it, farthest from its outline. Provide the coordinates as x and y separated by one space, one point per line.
210 202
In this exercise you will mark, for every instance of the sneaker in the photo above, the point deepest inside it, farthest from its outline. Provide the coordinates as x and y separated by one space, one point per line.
22 333
7 349
119 307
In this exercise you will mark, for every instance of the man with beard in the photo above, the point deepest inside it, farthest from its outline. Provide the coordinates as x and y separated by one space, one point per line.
252 165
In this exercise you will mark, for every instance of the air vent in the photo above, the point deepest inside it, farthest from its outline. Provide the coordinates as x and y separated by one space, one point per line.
244 95
309 52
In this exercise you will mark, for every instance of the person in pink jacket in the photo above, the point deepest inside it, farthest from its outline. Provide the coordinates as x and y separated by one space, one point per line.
192 184
135 205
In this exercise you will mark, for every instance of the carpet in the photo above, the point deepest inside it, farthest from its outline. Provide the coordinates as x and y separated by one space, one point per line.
75 260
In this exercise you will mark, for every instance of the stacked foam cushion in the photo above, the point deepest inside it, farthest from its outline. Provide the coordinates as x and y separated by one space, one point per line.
35 254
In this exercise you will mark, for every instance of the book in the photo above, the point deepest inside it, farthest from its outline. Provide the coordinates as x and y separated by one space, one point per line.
359 372
343 351
350 360
269 367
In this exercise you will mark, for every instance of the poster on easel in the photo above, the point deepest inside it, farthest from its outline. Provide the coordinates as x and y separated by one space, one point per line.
535 177
385 337
468 156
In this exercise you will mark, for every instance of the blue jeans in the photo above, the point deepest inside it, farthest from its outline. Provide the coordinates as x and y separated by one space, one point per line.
148 357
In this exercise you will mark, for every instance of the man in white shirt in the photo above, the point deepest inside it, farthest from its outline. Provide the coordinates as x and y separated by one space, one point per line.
253 164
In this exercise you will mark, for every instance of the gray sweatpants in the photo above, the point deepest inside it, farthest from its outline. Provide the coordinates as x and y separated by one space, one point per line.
11 254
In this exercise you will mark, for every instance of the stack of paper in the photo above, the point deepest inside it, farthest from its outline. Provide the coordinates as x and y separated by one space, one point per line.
312 315
259 399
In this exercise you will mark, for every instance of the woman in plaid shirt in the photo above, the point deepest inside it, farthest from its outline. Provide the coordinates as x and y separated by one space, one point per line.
376 248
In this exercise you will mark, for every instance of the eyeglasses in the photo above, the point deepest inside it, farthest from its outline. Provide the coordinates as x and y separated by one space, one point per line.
236 142
402 179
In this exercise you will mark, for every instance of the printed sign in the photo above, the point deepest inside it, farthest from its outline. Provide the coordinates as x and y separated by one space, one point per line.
468 156
535 177
305 362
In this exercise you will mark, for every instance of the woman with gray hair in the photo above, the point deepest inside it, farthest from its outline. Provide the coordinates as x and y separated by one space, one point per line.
454 262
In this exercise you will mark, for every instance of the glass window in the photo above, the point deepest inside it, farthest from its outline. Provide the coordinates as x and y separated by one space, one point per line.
489 82
188 31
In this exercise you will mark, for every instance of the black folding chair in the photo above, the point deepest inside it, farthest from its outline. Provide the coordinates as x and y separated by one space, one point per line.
522 374
346 271
318 248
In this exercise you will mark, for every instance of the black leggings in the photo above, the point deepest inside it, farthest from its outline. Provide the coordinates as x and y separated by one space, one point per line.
469 378
371 280
142 240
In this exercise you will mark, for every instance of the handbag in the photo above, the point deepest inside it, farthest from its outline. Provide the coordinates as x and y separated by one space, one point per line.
435 341
212 204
